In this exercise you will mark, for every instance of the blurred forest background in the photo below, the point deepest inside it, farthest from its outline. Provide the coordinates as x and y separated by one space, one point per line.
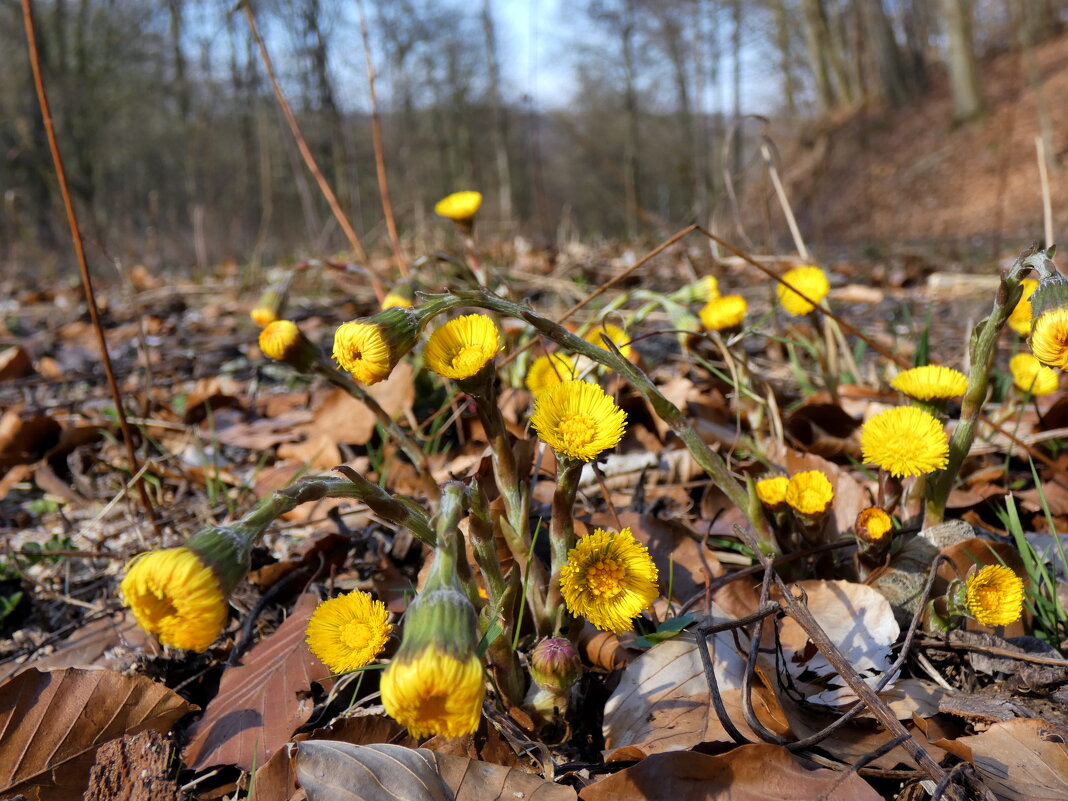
891 120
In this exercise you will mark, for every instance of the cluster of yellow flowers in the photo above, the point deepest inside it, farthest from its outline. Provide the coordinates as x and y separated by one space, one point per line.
722 312
808 493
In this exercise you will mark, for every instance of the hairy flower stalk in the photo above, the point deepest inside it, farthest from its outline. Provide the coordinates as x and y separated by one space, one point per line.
983 348
709 460
561 535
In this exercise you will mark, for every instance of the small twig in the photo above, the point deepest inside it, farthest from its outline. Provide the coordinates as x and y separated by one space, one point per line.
380 160
1047 204
305 151
83 265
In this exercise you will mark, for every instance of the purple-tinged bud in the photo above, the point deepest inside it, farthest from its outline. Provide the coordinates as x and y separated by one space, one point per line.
555 665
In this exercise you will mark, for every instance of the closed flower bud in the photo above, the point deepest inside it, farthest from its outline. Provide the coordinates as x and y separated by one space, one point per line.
555 665
284 342
270 305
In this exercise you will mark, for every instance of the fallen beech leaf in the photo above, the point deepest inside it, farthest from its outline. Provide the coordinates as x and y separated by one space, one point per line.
858 619
26 439
14 363
665 683
825 430
259 704
53 722
746 773
331 771
1020 760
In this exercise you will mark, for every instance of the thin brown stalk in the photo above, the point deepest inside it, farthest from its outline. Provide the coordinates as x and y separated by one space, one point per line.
83 266
380 160
305 151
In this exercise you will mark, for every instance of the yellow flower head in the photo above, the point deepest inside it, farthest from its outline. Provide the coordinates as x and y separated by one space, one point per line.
809 281
176 596
1049 338
905 441
609 579
873 524
434 693
1020 319
394 299
722 313
263 316
931 382
546 371
810 493
772 491
349 631
613 332
277 338
709 288
1030 375
362 349
995 596
459 206
577 420
462 347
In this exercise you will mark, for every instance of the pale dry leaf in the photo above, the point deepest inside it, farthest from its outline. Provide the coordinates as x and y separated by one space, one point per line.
1020 760
858 620
667 682
53 722
333 771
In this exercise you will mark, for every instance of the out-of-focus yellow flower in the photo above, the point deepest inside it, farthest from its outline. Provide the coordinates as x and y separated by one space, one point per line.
269 307
931 382
577 419
873 524
459 206
434 693
549 370
362 349
1049 338
284 342
809 281
905 441
262 316
810 493
772 491
1030 375
609 579
709 288
174 595
613 332
995 596
723 313
349 631
393 299
1020 319
462 347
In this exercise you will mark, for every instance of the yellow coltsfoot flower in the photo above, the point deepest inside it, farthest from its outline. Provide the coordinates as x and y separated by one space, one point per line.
577 419
459 206
873 524
435 693
618 336
1049 338
284 342
807 280
609 579
724 313
1030 375
176 596
462 347
348 631
362 349
1020 319
772 491
905 441
549 370
994 596
931 382
809 493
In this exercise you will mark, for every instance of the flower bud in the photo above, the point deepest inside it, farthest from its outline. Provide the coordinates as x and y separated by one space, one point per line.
555 665
284 342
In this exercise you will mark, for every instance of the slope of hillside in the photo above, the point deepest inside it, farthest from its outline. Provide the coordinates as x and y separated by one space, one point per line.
887 176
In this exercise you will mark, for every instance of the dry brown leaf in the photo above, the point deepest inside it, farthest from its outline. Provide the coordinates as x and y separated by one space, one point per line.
14 363
331 771
824 429
261 702
53 722
746 773
25 439
665 684
1020 760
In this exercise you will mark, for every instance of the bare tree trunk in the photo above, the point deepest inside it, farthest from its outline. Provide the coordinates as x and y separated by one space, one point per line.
1024 30
894 80
782 36
817 42
736 52
499 127
963 67
632 147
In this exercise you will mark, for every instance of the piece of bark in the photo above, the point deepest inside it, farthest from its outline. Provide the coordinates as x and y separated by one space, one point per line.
133 769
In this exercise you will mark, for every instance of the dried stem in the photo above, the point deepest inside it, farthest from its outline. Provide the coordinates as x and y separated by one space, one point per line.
83 265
